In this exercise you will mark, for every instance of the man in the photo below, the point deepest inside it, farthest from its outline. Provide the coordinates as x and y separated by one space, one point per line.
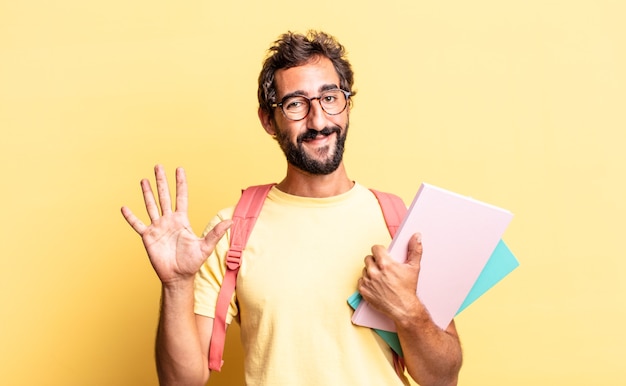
304 257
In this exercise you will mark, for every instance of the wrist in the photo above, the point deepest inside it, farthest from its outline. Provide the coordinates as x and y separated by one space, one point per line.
183 285
413 313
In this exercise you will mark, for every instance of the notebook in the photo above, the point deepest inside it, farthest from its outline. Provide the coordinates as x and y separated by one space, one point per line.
459 234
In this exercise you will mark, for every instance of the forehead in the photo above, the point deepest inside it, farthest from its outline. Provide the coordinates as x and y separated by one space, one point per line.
308 79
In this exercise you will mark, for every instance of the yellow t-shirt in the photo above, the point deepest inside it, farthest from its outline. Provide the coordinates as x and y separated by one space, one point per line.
302 261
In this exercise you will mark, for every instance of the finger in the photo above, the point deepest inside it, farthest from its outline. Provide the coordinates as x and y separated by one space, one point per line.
181 191
216 234
148 198
360 286
371 269
163 190
379 255
414 251
133 220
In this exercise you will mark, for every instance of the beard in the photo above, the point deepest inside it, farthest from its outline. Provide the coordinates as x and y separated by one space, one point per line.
330 158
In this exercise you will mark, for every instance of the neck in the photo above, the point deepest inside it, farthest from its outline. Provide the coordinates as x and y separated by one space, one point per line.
300 183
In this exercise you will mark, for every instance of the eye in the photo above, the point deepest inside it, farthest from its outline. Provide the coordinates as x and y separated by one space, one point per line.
331 97
295 103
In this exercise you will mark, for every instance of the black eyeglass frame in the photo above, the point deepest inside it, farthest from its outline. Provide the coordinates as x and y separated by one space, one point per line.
347 94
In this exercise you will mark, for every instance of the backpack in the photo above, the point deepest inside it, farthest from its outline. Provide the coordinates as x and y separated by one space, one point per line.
246 212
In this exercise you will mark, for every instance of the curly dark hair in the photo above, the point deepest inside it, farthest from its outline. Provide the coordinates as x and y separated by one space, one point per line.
294 49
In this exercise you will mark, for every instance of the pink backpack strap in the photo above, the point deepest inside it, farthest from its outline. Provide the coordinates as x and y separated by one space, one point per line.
394 210
244 217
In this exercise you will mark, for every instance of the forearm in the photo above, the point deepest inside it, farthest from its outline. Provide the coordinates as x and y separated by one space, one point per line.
179 356
432 355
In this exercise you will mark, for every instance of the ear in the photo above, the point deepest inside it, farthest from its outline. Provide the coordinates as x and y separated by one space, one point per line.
267 122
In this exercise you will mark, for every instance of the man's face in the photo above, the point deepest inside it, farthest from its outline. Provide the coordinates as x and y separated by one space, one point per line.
314 144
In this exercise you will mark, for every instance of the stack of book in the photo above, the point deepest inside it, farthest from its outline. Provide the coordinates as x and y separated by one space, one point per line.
463 256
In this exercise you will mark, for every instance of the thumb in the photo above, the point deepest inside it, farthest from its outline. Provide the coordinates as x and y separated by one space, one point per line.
414 252
215 234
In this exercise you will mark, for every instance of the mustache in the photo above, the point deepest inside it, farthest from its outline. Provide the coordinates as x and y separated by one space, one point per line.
312 134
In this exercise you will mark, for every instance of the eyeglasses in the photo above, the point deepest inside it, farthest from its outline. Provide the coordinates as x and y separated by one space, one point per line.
296 108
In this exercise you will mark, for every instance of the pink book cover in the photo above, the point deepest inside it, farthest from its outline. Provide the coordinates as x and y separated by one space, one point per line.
459 235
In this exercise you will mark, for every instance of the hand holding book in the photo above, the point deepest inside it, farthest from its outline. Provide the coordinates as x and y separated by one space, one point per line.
463 254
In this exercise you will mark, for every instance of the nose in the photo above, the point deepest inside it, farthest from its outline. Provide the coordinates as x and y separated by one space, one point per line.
316 119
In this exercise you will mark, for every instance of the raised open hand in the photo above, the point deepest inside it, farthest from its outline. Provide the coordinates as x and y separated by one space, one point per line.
175 252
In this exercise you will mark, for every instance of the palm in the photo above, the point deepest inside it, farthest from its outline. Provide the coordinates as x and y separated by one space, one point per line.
174 250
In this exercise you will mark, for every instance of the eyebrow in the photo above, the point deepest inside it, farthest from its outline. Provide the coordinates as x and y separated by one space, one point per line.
325 87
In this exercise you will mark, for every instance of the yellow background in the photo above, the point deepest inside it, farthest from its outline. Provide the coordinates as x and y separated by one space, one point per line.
518 103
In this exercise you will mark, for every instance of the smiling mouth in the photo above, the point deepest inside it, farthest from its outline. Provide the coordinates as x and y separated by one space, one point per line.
311 135
318 137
